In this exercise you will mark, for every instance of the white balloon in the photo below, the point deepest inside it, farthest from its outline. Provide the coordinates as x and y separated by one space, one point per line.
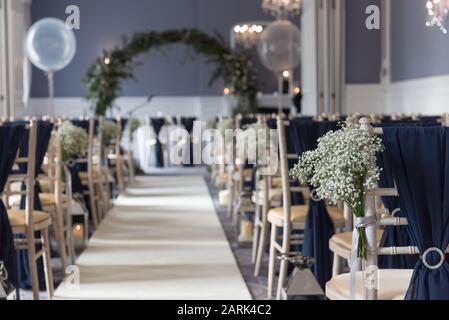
50 44
279 47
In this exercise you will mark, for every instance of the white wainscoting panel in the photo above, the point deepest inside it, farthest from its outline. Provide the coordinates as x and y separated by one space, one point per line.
200 107
425 96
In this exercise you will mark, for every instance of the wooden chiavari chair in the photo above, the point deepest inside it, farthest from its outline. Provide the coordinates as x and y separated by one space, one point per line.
340 244
396 284
237 177
392 284
288 217
29 221
94 178
114 155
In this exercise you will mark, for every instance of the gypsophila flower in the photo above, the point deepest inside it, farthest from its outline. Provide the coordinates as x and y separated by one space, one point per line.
74 140
108 132
225 124
254 142
133 124
342 168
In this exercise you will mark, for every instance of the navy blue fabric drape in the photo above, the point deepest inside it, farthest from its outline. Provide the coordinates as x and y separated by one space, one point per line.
187 123
43 135
319 227
398 236
157 124
420 164
10 137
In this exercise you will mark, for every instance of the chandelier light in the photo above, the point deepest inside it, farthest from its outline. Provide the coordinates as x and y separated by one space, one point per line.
247 34
437 14
282 9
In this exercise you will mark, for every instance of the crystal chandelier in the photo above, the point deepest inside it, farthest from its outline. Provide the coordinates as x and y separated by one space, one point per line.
437 12
282 9
247 34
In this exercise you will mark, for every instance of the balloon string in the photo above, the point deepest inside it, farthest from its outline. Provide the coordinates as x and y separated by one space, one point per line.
280 93
51 92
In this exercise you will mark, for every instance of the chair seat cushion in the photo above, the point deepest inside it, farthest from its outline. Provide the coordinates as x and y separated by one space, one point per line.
276 182
17 217
344 239
45 185
273 194
84 175
299 213
247 174
393 284
47 199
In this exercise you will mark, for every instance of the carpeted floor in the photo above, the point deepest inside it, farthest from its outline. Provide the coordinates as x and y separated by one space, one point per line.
162 240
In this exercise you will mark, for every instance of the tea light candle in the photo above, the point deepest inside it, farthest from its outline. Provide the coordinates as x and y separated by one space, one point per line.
246 231
78 235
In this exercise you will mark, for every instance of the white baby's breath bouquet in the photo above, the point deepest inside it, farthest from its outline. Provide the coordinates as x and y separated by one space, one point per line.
225 124
254 141
74 140
133 124
343 168
108 132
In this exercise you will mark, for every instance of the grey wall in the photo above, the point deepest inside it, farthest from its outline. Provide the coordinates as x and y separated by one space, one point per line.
103 22
417 51
363 46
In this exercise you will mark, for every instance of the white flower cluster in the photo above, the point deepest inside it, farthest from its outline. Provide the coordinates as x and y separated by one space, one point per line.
108 132
74 140
133 124
225 124
343 167
254 142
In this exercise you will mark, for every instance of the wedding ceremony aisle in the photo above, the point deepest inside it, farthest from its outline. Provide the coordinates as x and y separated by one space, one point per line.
162 240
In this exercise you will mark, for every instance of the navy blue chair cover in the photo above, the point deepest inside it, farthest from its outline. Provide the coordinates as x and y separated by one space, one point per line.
157 124
43 136
245 121
319 227
420 164
10 137
187 123
398 236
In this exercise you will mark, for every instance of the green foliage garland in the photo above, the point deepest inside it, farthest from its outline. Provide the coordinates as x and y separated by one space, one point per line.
236 69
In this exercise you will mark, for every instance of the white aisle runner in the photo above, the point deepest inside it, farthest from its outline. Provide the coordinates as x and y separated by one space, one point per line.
162 240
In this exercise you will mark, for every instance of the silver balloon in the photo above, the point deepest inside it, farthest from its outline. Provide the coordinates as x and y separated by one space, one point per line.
279 47
50 44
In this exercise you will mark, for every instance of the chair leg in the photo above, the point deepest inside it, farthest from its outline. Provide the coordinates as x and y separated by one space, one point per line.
272 260
231 199
93 204
47 263
256 234
59 234
32 264
336 267
120 173
70 242
261 249
282 278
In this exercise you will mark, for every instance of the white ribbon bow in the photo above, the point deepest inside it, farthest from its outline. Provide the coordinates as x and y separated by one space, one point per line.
360 222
